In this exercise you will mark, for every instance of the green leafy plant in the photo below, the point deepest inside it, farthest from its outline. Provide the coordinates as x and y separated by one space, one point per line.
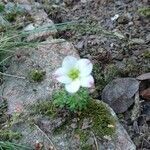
73 102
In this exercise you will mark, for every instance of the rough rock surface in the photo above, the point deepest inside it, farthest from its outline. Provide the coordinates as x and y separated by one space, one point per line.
119 93
43 26
145 76
47 57
66 141
22 92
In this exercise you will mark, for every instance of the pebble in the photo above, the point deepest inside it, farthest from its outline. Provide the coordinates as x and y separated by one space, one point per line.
119 93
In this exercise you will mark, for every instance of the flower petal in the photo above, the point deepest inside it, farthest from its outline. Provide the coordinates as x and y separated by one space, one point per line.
64 79
73 86
69 62
87 81
60 71
60 75
85 67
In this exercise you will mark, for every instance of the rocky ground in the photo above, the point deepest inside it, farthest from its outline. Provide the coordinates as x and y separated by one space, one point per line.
114 35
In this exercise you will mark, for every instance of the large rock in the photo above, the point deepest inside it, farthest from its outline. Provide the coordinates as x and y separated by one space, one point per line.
68 140
47 58
21 92
44 27
119 93
145 76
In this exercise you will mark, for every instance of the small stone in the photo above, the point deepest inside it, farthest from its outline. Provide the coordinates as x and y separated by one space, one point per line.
146 110
1 100
137 41
107 137
58 122
29 27
145 76
148 38
120 65
68 2
86 123
112 45
45 123
79 45
130 23
26 7
73 125
145 1
117 57
115 17
38 145
90 141
123 20
128 15
119 93
145 94
119 35
83 1
23 1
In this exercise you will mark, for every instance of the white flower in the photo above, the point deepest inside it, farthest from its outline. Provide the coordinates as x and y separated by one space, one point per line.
75 73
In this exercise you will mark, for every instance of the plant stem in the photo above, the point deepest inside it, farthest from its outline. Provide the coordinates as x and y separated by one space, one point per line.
14 76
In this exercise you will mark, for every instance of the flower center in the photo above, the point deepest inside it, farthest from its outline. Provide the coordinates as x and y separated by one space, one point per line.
74 73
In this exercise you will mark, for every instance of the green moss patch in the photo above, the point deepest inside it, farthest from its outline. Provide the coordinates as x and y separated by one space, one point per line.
36 75
6 134
80 125
146 54
44 108
145 11
87 147
102 122
83 135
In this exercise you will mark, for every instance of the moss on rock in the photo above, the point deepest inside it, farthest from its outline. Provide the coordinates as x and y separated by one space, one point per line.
146 54
83 135
145 11
86 147
36 75
5 124
103 123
